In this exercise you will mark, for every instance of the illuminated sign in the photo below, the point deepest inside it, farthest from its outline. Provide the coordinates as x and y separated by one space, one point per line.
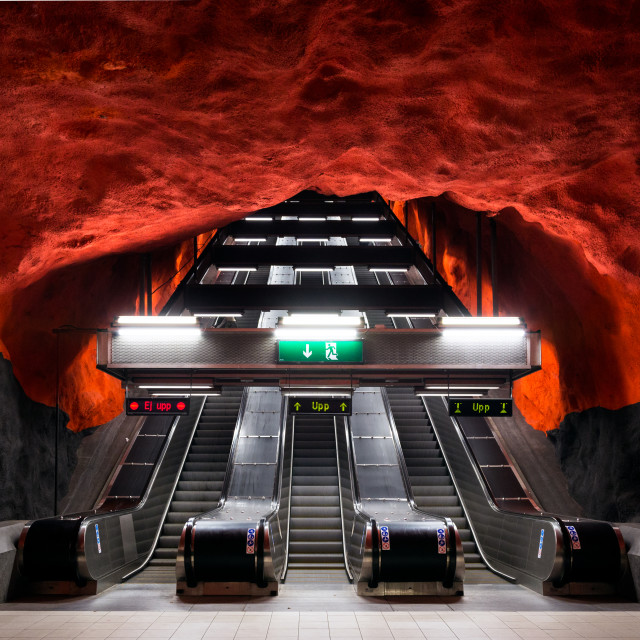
485 407
326 352
157 406
320 406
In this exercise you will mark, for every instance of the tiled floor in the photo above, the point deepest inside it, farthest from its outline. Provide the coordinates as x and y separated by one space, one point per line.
321 611
319 625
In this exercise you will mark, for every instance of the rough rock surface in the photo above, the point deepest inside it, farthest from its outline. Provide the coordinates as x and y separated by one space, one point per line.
130 126
27 459
599 451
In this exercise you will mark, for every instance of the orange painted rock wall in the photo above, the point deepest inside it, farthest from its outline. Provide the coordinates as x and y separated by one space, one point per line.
588 320
127 127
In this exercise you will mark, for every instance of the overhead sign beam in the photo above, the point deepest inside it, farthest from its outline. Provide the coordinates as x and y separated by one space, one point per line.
223 297
389 356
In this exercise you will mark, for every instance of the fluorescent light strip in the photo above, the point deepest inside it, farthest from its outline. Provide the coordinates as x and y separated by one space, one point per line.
237 269
365 219
175 386
185 395
259 219
221 314
403 314
313 269
388 269
375 239
439 395
301 319
480 321
250 239
156 320
317 394
463 334
455 387
316 333
160 332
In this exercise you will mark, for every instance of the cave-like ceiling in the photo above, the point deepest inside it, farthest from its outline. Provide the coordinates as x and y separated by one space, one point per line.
129 126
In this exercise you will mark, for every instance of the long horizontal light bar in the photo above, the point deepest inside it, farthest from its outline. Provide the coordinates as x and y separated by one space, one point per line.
313 239
316 333
313 269
160 332
175 386
408 314
323 393
365 219
455 387
480 321
259 219
220 314
375 239
463 334
302 319
186 395
389 269
237 268
439 395
250 239
156 320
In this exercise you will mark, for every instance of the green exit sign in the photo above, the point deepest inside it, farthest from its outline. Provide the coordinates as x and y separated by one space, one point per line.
325 352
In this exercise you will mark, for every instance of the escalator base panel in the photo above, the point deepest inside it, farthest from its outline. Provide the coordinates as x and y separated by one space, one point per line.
409 589
227 589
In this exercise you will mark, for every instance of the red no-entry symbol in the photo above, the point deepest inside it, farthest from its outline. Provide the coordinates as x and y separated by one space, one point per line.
181 406
134 406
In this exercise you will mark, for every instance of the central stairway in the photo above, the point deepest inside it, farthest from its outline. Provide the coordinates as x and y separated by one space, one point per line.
315 535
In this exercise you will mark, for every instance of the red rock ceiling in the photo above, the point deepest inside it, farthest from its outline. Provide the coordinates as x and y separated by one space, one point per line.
126 127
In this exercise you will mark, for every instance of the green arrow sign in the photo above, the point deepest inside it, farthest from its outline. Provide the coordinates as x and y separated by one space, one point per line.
320 405
323 352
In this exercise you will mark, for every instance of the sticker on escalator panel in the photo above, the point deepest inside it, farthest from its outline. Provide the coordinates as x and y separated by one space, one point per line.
384 537
442 541
575 540
251 540
541 541
98 539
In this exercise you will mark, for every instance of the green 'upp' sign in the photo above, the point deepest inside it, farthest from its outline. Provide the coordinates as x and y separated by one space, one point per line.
325 352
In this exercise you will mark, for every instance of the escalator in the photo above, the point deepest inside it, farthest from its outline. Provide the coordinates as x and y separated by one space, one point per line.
433 489
200 484
315 530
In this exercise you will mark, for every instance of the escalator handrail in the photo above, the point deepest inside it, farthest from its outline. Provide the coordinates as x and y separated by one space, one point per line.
559 561
285 565
345 555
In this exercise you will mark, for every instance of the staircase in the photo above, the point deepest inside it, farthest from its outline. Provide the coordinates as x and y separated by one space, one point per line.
200 483
315 534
